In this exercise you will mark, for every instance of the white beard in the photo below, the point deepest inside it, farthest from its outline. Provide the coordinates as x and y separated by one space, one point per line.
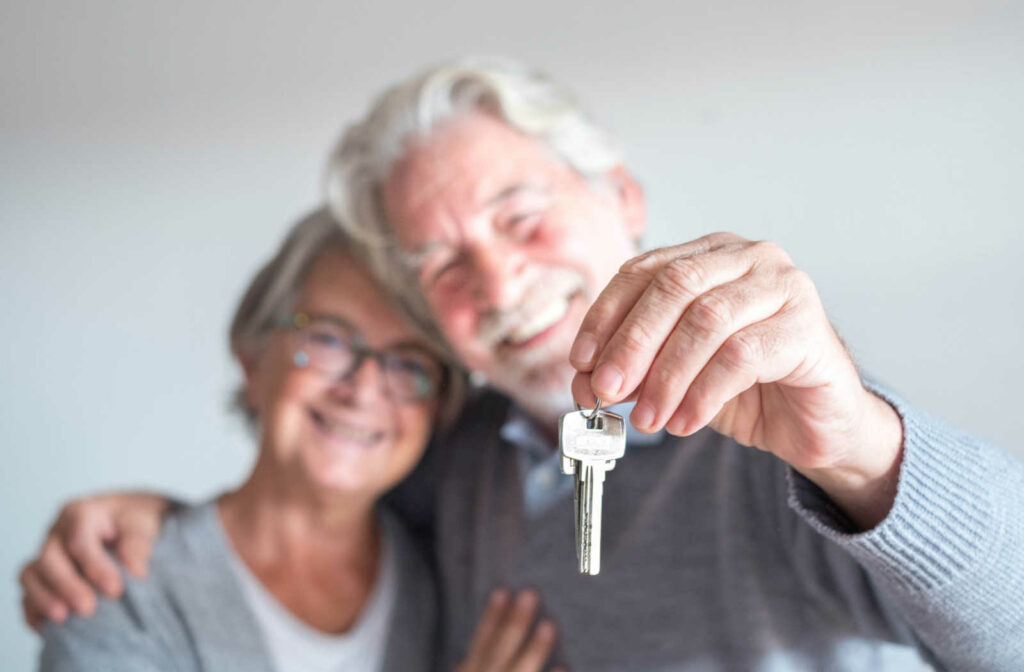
543 390
538 378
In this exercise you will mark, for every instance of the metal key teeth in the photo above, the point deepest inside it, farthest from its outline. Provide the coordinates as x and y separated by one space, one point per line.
583 521
586 551
590 444
589 541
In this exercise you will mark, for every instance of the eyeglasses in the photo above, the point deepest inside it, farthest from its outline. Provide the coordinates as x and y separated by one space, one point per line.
334 348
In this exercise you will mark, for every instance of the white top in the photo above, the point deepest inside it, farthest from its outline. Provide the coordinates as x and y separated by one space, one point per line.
297 647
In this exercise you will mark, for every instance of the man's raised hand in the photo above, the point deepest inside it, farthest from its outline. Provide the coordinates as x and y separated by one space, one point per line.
728 333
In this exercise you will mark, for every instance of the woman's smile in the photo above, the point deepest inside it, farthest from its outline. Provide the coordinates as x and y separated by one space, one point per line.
343 432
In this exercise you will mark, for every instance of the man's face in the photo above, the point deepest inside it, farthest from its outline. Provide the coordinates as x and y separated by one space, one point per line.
511 247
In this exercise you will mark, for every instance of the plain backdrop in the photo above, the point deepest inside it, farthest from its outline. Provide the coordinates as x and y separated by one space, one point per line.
151 154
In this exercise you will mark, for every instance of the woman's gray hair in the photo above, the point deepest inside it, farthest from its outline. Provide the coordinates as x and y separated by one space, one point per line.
270 299
272 293
364 157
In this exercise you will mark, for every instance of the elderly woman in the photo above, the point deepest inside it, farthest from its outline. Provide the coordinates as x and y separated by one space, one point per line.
300 568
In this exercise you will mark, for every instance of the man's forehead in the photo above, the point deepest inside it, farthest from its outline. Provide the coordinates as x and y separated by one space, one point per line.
464 166
419 241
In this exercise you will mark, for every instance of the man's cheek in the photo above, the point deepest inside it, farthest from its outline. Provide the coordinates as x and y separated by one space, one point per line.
458 322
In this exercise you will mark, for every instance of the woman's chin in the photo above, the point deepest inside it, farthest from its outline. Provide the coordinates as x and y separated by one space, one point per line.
345 465
344 472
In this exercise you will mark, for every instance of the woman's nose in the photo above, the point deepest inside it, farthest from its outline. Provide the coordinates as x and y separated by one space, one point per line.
364 384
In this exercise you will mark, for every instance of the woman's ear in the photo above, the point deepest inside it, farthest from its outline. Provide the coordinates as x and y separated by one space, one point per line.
249 368
631 199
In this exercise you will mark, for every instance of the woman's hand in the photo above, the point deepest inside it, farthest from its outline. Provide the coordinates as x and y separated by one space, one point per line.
74 561
506 639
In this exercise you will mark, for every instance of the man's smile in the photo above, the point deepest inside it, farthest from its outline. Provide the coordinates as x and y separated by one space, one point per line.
541 321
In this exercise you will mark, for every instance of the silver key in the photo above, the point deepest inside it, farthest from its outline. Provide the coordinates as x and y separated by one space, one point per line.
590 443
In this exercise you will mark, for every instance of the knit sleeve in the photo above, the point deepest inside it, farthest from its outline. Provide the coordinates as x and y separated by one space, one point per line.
115 638
950 553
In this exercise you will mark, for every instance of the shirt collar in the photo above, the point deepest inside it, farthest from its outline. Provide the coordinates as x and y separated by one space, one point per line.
521 430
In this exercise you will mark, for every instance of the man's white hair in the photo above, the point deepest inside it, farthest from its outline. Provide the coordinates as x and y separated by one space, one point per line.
364 157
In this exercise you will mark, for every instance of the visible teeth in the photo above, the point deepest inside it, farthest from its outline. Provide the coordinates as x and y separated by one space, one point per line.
349 432
540 321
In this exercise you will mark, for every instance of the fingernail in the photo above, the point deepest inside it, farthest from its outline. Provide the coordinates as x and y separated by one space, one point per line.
138 568
676 426
85 607
607 381
643 415
526 600
546 630
583 350
58 614
112 588
499 597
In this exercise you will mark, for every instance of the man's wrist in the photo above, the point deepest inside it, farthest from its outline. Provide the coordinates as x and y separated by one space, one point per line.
864 484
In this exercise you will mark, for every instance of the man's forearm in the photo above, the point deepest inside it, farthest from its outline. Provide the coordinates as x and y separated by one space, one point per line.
950 551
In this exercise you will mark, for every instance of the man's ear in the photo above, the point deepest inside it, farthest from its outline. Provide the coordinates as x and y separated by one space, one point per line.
631 197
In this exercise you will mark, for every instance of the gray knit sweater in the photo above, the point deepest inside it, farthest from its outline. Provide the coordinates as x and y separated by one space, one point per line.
718 557
191 615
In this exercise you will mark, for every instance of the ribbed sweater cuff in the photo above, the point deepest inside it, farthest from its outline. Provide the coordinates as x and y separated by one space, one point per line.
942 520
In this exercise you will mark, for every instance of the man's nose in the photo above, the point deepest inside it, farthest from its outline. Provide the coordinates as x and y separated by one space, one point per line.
498 278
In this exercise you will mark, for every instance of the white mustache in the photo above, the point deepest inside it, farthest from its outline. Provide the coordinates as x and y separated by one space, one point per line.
555 283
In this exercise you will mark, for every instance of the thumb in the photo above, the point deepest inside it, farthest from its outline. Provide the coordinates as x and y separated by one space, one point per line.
584 395
134 547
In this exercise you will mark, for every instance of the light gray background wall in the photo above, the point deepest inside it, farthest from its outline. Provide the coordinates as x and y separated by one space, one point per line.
151 154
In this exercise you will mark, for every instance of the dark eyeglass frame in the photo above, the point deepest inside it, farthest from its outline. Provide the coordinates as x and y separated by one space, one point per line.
299 321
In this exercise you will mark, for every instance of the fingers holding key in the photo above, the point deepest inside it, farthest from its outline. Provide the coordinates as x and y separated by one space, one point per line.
674 283
706 325
633 280
761 353
652 345
790 347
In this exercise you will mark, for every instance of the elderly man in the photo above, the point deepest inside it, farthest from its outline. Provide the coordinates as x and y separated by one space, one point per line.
772 511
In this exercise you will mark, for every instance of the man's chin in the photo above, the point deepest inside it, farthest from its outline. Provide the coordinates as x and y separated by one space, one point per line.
541 388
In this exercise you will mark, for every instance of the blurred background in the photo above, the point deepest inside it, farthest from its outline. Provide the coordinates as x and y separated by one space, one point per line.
151 155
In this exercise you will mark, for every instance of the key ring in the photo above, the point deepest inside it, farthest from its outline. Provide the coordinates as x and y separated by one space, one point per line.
593 413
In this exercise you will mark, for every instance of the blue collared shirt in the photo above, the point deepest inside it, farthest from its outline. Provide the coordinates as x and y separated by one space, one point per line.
540 467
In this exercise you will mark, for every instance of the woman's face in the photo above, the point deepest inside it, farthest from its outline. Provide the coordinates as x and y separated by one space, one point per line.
341 435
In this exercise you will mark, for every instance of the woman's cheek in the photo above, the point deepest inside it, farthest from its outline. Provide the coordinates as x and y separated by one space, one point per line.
417 425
